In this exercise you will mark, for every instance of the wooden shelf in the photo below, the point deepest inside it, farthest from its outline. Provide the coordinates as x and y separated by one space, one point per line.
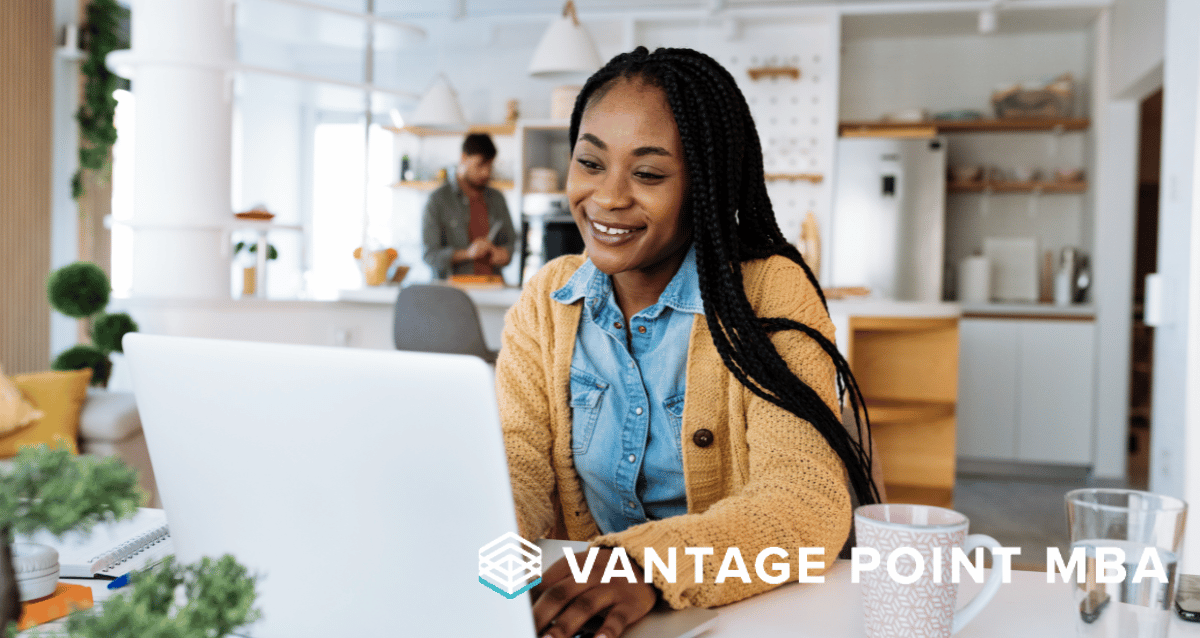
761 72
1047 188
890 129
430 184
936 496
902 411
907 368
815 178
490 129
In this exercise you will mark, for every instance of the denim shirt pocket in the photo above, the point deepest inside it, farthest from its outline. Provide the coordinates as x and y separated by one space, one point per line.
587 392
674 409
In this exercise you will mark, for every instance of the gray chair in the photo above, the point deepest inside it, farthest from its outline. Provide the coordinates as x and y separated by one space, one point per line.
438 319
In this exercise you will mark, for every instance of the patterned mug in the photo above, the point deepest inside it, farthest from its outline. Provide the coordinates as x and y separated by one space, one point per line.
897 601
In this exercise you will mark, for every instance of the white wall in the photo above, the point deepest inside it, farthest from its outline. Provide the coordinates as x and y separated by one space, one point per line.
1175 451
64 217
884 75
1138 31
1114 198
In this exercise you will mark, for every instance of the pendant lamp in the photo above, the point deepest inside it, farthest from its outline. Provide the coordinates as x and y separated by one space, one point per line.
439 107
566 50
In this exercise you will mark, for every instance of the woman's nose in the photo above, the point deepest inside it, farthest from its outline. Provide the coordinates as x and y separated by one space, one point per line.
613 192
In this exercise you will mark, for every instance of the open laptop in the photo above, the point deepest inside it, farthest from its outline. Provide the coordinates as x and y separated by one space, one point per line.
360 484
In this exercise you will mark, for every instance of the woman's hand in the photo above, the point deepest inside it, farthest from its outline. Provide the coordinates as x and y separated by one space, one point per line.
562 606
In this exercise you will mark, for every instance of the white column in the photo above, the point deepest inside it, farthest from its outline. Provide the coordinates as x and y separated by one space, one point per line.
183 149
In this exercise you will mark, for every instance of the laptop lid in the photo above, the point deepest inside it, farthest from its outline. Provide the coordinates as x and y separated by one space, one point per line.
360 484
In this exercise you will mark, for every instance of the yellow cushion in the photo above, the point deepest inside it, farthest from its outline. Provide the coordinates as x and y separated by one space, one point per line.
60 396
15 411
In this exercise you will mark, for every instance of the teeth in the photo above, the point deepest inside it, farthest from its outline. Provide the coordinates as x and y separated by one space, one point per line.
609 231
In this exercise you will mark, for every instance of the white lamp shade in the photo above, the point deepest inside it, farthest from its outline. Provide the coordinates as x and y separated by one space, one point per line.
439 107
566 50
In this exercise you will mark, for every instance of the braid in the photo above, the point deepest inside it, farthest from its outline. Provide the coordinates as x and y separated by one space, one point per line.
732 222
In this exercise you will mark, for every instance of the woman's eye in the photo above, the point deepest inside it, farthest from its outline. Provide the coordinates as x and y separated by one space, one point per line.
650 177
588 164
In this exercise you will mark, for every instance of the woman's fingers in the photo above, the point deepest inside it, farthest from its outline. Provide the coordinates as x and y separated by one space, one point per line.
566 607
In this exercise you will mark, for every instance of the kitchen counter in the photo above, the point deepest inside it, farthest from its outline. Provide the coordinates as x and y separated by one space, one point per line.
872 307
1028 311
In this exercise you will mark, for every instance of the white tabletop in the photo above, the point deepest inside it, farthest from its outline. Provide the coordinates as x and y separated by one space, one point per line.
1028 607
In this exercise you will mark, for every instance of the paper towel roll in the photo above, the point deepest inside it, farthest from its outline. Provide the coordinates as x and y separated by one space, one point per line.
974 280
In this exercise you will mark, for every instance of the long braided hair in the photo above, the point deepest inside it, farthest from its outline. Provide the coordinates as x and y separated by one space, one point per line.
733 222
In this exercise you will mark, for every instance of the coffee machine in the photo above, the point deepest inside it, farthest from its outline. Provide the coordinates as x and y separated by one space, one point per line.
547 231
1074 277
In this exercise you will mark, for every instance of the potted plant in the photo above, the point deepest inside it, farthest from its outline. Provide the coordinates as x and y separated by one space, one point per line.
57 491
81 290
250 273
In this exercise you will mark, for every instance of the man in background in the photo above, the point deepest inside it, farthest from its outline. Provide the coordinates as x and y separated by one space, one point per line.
466 227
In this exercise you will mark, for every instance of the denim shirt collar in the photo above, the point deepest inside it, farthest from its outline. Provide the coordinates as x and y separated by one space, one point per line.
682 293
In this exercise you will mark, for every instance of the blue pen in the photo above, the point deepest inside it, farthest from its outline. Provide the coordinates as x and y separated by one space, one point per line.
119 582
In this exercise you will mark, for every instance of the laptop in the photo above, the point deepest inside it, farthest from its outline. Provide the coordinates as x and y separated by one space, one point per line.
359 484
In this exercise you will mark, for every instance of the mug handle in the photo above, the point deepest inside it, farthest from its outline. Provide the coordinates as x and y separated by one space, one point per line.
969 611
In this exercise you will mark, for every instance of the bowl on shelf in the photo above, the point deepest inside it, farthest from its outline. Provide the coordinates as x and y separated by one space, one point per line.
965 174
1025 174
1068 175
255 214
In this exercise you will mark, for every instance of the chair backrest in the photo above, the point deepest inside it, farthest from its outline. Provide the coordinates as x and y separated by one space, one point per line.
432 318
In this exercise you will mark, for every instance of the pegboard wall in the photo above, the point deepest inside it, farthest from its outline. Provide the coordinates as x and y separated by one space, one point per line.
796 118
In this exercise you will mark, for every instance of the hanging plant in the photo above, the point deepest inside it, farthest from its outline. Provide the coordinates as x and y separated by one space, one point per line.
102 33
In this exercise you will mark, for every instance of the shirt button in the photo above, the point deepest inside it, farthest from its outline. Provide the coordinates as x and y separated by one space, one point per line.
618 325
642 329
703 438
632 505
632 458
637 411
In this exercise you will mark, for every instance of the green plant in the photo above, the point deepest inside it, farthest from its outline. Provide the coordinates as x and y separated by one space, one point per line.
78 290
252 248
84 356
101 34
58 491
81 290
109 329
219 597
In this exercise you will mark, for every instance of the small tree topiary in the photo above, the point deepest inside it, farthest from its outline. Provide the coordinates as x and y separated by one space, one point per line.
78 290
81 290
108 329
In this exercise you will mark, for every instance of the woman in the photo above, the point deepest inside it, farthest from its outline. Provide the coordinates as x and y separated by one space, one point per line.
677 385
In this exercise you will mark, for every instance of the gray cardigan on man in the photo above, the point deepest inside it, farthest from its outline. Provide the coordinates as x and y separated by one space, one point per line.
445 224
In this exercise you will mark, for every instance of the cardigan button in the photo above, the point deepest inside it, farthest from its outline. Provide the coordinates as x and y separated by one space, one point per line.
703 438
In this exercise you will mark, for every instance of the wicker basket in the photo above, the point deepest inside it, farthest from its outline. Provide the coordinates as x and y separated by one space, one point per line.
1053 100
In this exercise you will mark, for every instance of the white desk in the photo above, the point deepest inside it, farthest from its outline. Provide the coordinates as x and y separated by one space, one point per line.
1028 607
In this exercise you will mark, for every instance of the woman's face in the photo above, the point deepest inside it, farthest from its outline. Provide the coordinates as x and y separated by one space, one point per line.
627 182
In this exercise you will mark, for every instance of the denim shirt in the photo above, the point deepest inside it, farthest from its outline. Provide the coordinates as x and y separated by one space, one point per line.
627 398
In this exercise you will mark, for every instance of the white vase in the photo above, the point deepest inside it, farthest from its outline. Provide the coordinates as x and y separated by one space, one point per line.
37 569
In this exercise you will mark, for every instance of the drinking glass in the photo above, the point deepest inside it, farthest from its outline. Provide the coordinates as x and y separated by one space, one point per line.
1137 533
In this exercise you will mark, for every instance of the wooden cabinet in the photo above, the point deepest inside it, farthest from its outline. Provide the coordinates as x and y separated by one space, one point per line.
907 369
1027 390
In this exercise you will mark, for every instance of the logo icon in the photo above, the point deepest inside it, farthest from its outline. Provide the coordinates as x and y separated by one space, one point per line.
510 565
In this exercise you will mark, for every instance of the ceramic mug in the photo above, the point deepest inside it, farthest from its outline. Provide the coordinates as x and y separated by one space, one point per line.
926 608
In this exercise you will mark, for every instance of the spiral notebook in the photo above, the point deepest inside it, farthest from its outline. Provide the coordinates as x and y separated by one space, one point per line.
111 549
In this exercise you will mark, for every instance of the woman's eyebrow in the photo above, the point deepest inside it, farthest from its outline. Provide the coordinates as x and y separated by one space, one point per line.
651 150
641 151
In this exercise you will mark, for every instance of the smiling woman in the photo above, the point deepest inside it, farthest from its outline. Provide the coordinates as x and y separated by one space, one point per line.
677 385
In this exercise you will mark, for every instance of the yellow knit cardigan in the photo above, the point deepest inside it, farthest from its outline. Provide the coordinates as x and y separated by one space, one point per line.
768 479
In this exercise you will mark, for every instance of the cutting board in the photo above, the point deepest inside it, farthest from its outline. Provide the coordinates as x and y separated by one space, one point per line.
1014 263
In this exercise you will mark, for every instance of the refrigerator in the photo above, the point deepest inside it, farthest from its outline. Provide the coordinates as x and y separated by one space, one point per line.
887 230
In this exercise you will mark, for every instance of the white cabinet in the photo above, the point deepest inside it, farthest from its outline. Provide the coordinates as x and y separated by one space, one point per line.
1026 390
